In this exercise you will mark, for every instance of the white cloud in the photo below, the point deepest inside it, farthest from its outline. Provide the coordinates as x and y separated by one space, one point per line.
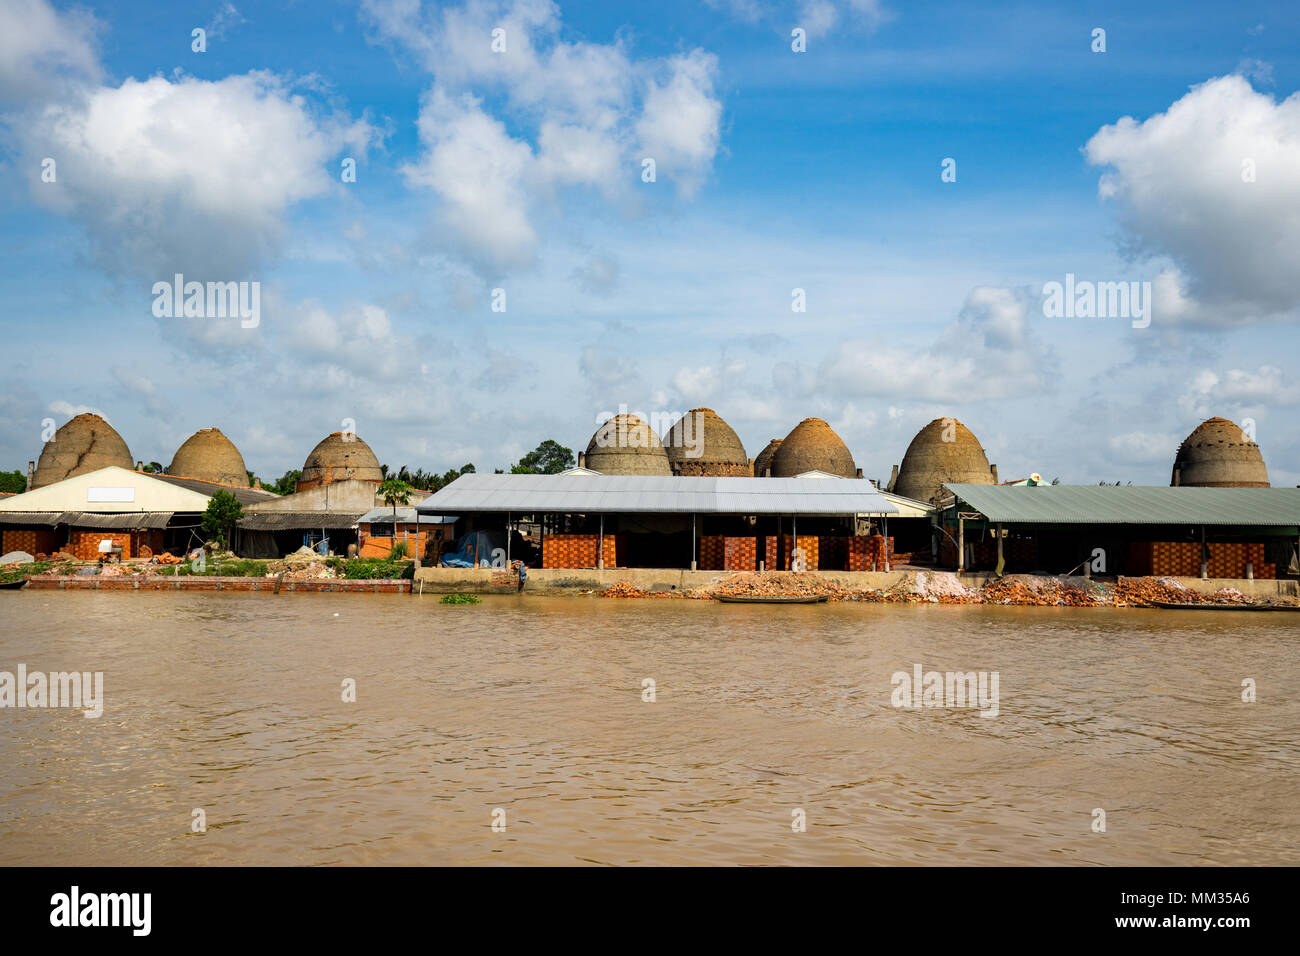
679 126
989 352
1211 393
43 51
504 131
1178 177
478 170
598 274
186 175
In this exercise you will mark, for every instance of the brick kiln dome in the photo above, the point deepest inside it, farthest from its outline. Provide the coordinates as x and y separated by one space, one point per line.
931 460
701 443
812 446
626 445
764 459
1218 455
85 444
211 456
338 458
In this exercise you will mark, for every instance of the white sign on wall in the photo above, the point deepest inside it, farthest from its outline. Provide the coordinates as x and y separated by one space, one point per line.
110 494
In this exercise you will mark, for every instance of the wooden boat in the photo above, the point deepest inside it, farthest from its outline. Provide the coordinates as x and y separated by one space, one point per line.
12 585
771 598
1175 606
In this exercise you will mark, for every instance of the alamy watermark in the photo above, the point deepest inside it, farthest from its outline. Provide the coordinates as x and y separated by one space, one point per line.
57 689
1098 300
212 300
951 689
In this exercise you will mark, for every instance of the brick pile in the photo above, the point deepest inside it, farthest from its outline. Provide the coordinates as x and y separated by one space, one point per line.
1183 559
40 541
84 543
580 550
810 550
712 552
866 550
741 554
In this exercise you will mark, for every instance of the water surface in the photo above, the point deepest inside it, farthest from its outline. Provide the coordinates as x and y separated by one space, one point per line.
232 703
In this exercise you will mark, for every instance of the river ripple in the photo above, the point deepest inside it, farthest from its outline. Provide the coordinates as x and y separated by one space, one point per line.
232 703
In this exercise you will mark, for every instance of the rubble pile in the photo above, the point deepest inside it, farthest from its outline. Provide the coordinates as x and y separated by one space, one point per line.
775 584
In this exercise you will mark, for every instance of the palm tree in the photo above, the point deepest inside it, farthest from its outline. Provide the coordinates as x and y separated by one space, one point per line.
395 493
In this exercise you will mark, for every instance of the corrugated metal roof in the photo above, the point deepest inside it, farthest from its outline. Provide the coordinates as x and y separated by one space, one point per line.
45 519
295 520
1133 504
245 496
407 515
656 494
88 519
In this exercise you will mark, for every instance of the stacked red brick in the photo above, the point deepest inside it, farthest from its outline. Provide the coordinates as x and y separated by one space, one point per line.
579 550
40 541
741 554
84 543
868 550
811 550
712 553
1183 559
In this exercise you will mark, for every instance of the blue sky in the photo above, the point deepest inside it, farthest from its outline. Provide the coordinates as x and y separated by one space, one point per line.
776 170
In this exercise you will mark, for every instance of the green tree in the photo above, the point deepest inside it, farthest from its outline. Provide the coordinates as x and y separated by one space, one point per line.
221 516
153 468
285 484
395 492
548 458
14 481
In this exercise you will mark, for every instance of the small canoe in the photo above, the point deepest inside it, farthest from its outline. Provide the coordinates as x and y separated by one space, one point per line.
1175 606
770 598
12 585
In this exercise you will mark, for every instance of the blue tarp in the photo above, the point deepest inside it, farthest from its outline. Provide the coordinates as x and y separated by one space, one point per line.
476 550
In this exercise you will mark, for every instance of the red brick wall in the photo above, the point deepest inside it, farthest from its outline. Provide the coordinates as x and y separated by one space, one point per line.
40 541
417 538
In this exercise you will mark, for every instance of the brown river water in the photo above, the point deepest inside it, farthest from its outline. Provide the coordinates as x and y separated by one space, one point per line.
233 703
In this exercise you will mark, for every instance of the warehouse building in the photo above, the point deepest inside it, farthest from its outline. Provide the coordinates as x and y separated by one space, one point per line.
139 514
732 523
1130 530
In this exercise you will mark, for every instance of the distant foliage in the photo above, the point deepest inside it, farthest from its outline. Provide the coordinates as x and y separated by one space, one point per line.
548 458
13 481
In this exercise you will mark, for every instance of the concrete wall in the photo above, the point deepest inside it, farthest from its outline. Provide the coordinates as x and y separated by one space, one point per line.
349 495
479 580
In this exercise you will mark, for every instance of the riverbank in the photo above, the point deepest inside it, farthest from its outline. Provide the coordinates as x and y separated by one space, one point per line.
908 586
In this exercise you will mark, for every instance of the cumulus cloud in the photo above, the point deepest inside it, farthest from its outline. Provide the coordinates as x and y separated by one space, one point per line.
43 52
1210 185
1211 392
597 274
988 352
504 131
186 175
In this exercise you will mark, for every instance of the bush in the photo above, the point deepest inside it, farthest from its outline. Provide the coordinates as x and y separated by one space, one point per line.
459 599
398 552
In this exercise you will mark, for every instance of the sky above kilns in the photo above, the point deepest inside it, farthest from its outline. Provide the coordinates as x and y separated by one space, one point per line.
518 177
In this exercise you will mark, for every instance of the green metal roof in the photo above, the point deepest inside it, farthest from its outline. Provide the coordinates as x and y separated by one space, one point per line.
1133 504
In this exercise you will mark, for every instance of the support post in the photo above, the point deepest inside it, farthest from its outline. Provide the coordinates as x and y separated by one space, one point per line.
507 539
961 543
1205 567
600 555
885 546
693 564
1000 563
